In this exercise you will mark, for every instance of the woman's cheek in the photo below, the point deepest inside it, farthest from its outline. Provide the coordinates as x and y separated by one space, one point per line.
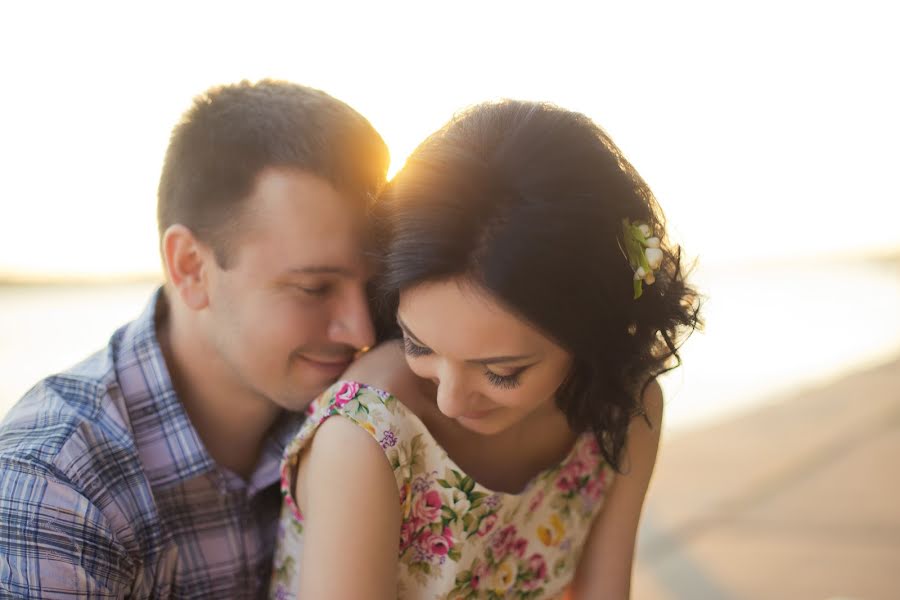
421 367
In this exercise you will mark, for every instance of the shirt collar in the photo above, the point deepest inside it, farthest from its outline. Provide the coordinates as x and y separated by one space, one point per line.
169 446
268 470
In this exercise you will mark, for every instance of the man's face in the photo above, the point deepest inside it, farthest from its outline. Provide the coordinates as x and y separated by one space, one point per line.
290 311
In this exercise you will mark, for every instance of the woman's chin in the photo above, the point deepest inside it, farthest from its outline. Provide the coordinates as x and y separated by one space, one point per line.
485 422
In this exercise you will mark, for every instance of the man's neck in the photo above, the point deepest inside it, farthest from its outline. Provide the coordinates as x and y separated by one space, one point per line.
231 420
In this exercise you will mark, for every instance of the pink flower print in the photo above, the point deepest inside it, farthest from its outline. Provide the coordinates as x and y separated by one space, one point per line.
538 566
427 507
537 572
406 534
502 542
478 574
566 483
536 501
487 524
346 393
570 475
431 544
519 547
441 544
594 488
577 468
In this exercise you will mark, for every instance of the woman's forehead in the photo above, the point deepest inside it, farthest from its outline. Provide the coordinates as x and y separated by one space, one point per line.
462 318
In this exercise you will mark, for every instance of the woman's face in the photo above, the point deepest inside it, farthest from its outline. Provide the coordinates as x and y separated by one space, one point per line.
493 370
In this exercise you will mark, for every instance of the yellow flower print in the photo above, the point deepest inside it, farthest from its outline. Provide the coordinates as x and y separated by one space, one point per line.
551 533
504 576
406 500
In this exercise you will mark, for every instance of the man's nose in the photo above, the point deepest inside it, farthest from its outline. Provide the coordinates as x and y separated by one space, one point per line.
351 322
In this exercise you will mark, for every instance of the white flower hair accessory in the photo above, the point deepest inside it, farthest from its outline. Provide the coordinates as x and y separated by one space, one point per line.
643 252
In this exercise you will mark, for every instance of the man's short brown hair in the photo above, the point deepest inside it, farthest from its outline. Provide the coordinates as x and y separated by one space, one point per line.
232 132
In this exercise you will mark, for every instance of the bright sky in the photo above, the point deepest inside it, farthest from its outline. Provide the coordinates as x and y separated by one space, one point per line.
767 130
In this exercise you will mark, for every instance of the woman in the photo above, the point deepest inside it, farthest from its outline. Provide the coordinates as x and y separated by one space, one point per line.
504 446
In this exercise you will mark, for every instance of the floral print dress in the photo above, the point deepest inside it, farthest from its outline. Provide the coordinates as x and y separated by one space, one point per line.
458 539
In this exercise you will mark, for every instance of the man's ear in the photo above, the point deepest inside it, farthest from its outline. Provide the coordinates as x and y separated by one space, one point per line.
187 262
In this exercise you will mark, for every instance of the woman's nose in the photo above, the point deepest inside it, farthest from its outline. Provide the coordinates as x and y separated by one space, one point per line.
452 396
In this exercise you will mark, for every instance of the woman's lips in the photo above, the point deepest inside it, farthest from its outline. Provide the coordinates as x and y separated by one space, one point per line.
478 414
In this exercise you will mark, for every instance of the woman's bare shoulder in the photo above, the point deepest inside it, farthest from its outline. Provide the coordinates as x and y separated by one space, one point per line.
652 401
385 368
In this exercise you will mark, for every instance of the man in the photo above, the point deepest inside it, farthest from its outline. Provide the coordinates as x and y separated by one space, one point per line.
151 468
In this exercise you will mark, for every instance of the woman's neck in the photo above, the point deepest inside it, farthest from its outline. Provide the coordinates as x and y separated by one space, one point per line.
506 461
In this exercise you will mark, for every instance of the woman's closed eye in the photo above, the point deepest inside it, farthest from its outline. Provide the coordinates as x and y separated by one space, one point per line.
504 382
413 349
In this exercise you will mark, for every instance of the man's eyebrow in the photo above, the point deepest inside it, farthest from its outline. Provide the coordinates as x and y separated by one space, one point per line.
320 270
478 361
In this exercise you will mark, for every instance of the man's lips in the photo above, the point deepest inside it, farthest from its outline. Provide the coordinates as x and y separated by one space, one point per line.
330 364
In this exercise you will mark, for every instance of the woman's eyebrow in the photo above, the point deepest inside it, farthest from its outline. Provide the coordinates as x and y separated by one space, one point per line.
409 333
500 359
480 361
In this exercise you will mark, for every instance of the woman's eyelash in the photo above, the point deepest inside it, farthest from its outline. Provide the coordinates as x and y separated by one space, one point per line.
505 382
413 349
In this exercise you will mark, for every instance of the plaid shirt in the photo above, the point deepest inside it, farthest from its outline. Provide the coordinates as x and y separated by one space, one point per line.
106 490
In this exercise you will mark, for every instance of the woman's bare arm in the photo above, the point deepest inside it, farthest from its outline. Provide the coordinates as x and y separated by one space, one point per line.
351 507
604 570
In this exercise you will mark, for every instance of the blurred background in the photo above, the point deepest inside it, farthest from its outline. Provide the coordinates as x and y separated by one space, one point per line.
768 132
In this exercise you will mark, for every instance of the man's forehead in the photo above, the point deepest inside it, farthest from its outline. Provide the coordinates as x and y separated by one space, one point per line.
299 225
297 196
352 265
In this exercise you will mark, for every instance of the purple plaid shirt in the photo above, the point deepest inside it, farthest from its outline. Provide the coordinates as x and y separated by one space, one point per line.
106 491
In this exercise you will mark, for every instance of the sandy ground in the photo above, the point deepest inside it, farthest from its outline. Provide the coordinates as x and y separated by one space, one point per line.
798 499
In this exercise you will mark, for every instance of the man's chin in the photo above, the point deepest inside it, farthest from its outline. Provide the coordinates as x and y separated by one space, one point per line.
308 381
302 396
300 402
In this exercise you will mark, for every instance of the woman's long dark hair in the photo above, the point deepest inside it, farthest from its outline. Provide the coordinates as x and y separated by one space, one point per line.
527 200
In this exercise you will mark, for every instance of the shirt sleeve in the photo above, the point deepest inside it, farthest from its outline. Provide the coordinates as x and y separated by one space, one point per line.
54 542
